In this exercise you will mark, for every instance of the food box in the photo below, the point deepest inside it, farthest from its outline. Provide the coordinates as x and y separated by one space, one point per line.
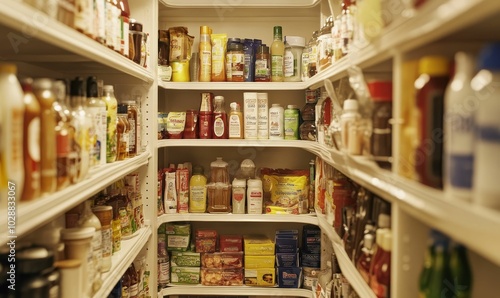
178 236
289 277
253 262
287 259
260 277
258 245
206 234
223 260
287 243
221 277
311 239
230 243
205 244
310 260
185 259
185 275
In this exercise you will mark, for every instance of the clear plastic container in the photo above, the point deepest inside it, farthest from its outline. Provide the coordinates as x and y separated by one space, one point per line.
219 172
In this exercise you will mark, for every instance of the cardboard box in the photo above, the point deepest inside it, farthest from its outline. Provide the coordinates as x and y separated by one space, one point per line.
231 243
178 236
310 260
287 259
185 275
311 239
221 277
258 245
289 277
205 244
260 277
223 260
254 262
185 259
287 243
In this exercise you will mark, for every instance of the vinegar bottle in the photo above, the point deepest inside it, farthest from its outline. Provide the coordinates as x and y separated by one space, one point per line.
205 52
220 129
31 143
277 54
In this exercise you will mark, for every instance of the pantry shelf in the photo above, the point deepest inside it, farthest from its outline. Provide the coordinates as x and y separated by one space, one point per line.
42 210
120 261
240 4
243 86
234 143
233 291
206 217
29 35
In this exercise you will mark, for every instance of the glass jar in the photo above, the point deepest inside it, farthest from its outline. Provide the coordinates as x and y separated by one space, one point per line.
262 64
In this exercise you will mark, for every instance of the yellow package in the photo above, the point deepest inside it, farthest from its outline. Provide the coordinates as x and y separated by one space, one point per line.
219 43
258 245
260 277
254 262
284 189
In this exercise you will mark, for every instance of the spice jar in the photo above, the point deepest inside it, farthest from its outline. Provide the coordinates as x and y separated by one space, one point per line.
262 64
237 62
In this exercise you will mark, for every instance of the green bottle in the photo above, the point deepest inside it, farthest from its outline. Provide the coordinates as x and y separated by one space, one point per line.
460 271
425 274
441 282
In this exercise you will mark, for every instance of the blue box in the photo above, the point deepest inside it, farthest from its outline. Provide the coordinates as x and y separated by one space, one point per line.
287 259
289 277
310 260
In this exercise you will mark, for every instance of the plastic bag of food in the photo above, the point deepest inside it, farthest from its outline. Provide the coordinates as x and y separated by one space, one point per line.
284 189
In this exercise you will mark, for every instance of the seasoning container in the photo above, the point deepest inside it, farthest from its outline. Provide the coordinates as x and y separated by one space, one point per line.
276 129
239 196
312 66
111 116
291 122
191 126
262 64
325 45
105 216
294 45
349 121
123 129
137 41
381 139
237 62
231 45
255 196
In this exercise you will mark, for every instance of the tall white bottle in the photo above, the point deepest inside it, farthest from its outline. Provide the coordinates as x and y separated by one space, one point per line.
459 129
276 119
486 189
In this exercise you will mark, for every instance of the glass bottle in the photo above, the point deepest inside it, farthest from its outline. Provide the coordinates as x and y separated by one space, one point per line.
381 277
381 139
122 129
237 62
347 26
133 115
111 115
460 271
440 275
277 55
31 143
325 45
220 129
97 109
313 55
262 64
48 156
124 27
425 274
231 44
134 282
364 261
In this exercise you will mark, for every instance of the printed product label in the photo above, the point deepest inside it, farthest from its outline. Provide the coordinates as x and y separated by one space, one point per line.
163 271
277 65
460 170
288 61
107 242
234 127
219 127
261 68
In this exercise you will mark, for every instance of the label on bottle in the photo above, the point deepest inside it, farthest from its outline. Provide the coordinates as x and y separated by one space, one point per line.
289 63
110 37
97 252
205 65
291 124
251 114
237 67
163 271
107 242
261 69
263 116
197 200
276 123
235 126
205 126
219 126
277 66
460 170
98 150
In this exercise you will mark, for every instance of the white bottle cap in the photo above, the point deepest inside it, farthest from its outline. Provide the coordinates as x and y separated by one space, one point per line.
351 104
254 183
239 183
77 233
384 221
295 41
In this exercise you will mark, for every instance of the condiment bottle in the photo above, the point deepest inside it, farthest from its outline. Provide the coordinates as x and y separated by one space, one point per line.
239 196
48 157
307 129
133 115
105 216
380 280
291 122
220 129
100 21
348 25
133 289
440 271
351 137
111 115
31 143
249 60
197 191
313 55
277 54
276 117
381 139
325 44
206 116
262 64
122 129
235 121
460 271
97 109
191 127
124 27
486 189
205 55
231 45
430 87
364 261
84 17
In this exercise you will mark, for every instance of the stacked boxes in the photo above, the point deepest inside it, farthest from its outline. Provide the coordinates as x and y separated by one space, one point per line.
311 254
259 261
289 273
184 265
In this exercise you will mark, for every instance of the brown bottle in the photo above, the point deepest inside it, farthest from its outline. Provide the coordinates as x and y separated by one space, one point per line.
31 143
48 166
64 136
123 129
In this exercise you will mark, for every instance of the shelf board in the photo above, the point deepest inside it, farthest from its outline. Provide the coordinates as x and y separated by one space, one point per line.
33 214
243 86
233 143
233 291
239 4
206 217
120 261
347 267
31 36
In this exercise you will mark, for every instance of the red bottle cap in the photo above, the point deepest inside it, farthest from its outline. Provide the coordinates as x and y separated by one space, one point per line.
380 90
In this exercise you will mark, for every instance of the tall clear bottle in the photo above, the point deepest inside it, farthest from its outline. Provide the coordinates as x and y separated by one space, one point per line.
97 108
277 55
48 157
66 156
205 53
111 116
11 129
31 142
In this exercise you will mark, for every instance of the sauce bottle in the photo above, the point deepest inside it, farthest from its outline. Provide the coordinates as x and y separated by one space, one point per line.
48 157
381 278
97 109
111 115
66 156
237 62
205 53
206 116
364 261
124 27
235 121
133 120
262 64
31 143
197 191
381 139
277 54
430 87
122 129
220 129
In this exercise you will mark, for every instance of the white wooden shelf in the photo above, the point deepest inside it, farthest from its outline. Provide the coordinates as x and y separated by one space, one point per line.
207 217
240 3
29 35
233 143
33 214
120 261
233 291
243 86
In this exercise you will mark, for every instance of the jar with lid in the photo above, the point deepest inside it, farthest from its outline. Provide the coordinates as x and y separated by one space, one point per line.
381 139
325 52
276 117
307 128
262 64
313 54
291 122
123 129
294 45
219 188
231 45
237 62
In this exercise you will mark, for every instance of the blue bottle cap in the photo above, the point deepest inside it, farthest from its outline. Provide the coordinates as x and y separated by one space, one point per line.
489 58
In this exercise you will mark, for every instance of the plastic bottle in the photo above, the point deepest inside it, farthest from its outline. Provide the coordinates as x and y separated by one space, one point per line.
111 112
235 121
205 54
251 115
31 143
231 45
124 27
380 279
123 130
89 219
291 122
276 117
262 64
277 54
105 216
486 189
430 86
42 89
97 108
83 125
262 116
381 139
220 128
249 60
351 136
254 196
363 263
239 196
294 45
197 191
